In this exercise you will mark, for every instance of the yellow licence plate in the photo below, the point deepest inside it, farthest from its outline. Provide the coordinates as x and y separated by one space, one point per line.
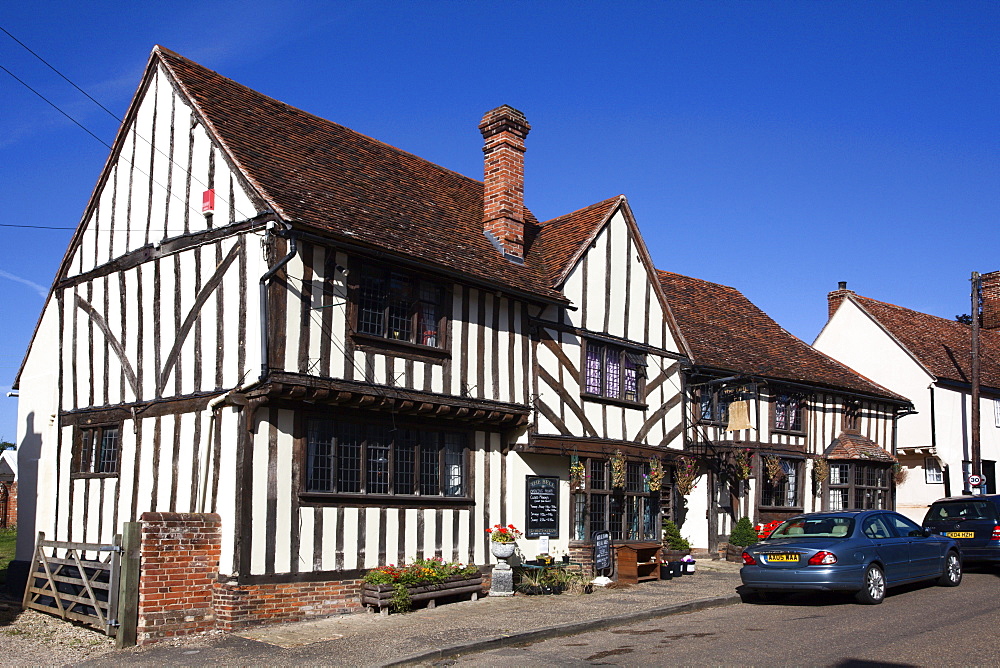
960 534
782 557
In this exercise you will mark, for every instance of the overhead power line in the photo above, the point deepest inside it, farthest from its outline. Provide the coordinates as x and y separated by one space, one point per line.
114 116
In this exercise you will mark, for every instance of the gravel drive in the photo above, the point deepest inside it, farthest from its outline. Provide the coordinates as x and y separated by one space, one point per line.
32 638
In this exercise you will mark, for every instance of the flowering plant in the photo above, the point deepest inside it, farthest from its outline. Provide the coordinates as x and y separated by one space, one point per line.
744 463
655 477
686 474
577 474
821 471
618 469
420 572
504 534
772 464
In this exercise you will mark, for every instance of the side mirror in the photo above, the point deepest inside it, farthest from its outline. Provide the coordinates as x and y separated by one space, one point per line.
920 533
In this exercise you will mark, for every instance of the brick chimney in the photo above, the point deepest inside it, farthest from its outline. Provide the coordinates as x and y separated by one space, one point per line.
834 298
991 299
504 130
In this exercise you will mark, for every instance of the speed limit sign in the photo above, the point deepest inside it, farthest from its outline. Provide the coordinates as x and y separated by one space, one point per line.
975 480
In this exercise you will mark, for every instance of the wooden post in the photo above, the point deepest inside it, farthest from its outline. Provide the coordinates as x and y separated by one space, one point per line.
31 571
976 461
128 590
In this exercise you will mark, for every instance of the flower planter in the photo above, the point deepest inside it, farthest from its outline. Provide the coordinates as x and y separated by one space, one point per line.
380 596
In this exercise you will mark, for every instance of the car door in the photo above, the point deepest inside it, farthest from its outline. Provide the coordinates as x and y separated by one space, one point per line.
892 550
926 558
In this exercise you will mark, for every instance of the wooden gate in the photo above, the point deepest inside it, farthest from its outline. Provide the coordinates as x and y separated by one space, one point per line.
74 587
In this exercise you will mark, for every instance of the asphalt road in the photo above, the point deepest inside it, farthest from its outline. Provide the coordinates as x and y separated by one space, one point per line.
918 625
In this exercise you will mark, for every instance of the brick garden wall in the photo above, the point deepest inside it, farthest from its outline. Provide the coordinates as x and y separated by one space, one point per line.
9 518
179 564
238 606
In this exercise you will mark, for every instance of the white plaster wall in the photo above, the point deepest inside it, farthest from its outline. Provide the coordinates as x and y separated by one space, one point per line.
854 339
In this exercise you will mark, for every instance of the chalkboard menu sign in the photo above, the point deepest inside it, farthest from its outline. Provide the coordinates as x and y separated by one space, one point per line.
543 507
602 550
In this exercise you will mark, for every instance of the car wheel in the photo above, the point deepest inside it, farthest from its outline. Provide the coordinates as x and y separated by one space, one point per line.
952 575
873 591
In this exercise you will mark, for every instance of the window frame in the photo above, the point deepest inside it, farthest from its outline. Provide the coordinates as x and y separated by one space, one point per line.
769 489
631 503
929 470
851 418
626 359
365 270
800 402
855 490
335 426
85 456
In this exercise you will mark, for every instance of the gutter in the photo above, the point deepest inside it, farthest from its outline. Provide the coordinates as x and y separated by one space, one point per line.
265 280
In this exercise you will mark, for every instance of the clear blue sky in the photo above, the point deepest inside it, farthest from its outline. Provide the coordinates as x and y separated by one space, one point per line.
778 147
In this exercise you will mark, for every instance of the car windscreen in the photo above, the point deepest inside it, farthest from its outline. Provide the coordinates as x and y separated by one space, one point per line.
815 527
959 510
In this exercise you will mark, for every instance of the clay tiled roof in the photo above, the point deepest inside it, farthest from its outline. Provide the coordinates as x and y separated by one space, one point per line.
726 331
850 445
943 346
561 239
354 188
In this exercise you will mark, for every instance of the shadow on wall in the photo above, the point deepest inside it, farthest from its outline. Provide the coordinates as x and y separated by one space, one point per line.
28 452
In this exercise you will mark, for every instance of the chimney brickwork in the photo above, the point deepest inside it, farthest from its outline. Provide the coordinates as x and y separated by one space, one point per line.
990 299
836 297
504 130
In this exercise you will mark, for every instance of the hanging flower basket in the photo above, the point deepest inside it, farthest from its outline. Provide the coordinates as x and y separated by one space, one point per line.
655 478
898 473
821 471
772 465
743 461
618 470
577 475
686 474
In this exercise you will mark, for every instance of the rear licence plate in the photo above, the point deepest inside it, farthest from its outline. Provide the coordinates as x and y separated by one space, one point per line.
960 534
781 557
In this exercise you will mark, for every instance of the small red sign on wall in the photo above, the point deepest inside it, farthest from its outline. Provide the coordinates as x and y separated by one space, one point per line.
208 201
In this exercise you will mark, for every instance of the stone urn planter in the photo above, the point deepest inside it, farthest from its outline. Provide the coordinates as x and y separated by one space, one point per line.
503 551
502 581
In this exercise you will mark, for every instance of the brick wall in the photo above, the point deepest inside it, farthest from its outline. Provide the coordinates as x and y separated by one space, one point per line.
238 606
179 564
583 554
8 504
504 130
991 299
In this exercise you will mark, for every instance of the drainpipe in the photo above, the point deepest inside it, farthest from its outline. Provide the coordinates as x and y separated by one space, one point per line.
264 310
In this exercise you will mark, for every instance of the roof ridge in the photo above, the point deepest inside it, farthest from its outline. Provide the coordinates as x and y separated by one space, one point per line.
702 280
174 54
564 217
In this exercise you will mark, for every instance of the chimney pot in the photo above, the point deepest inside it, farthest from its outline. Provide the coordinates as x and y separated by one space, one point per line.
842 285
504 130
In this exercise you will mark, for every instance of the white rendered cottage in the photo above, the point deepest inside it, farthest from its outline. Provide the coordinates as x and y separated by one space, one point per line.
926 358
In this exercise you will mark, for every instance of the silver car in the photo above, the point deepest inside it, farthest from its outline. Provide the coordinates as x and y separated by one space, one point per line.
855 551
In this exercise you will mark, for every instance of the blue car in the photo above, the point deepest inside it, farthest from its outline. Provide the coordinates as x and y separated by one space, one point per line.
854 551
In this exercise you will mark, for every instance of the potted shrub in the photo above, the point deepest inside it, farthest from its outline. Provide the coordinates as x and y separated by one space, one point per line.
743 534
675 547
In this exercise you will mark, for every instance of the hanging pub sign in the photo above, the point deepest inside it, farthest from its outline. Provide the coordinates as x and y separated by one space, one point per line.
542 507
602 550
